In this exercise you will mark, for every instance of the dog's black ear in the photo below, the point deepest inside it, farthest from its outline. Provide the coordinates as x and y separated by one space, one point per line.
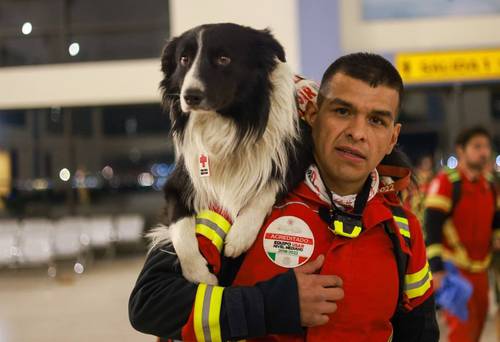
168 61
168 66
269 42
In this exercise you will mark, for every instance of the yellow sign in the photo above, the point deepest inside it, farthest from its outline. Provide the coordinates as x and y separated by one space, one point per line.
453 66
5 176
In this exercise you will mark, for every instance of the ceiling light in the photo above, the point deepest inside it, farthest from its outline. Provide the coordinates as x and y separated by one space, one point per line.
27 28
74 49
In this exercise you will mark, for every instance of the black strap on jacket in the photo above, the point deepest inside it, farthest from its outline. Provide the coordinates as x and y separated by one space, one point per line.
348 224
401 264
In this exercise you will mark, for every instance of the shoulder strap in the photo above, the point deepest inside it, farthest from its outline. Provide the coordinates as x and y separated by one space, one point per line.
401 257
454 178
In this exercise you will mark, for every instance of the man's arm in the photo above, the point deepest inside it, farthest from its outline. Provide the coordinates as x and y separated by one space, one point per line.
438 206
418 323
434 220
163 304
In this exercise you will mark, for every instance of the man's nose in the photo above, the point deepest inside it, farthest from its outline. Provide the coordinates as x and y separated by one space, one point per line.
356 129
193 96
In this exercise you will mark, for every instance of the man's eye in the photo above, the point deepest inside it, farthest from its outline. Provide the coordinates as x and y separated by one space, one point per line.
341 111
223 60
184 60
377 121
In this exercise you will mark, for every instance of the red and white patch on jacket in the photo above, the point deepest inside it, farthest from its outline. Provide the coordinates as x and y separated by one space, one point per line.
288 241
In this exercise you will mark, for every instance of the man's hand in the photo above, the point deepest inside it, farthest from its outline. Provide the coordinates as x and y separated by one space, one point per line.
317 293
437 279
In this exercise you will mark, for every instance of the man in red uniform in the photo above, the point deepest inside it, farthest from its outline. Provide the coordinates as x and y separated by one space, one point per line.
459 218
343 222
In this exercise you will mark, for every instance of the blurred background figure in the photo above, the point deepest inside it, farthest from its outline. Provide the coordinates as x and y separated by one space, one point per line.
460 220
414 196
85 148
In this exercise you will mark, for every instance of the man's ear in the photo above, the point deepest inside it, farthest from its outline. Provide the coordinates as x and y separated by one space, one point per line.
394 138
311 112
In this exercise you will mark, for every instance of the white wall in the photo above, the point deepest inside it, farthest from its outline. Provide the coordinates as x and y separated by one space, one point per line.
79 84
416 34
278 15
120 82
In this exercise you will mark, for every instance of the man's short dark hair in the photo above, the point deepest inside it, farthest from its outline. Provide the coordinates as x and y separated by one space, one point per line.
373 69
467 134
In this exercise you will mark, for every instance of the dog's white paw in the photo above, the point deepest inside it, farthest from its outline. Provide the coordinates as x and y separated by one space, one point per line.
198 272
240 238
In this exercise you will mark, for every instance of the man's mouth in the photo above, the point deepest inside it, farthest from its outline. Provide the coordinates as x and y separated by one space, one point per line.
350 152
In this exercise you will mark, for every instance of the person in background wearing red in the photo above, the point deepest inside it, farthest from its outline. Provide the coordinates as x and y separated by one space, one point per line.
460 218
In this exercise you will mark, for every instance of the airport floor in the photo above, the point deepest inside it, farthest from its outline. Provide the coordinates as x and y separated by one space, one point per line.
69 308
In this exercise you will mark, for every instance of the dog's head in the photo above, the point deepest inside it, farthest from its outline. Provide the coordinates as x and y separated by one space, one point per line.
221 68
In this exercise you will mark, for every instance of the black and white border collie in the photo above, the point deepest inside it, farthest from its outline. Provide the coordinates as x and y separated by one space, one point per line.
231 98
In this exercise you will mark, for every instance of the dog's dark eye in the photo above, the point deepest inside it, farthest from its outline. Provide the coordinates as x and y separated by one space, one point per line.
184 60
223 60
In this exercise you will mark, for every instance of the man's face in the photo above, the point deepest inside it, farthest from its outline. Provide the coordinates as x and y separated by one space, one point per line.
354 128
476 152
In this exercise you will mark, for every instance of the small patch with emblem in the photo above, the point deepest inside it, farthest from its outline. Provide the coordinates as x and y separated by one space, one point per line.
288 241
203 165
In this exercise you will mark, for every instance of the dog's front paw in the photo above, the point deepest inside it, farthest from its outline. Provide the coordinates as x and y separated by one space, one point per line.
198 272
239 239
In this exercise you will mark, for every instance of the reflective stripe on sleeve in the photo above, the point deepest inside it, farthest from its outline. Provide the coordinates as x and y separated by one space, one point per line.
207 307
416 284
434 250
439 202
402 223
213 226
458 255
462 260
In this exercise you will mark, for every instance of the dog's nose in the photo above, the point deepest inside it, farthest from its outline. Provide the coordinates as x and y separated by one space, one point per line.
193 97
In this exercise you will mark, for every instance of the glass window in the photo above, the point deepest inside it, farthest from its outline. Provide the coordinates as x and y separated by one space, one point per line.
12 118
42 31
54 119
134 120
81 121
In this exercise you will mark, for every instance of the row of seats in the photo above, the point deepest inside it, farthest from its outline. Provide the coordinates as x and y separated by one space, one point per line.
39 241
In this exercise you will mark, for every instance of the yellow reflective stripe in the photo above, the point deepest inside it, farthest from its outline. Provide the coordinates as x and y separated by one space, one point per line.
210 234
417 276
416 284
459 254
402 223
198 313
214 314
464 262
434 250
401 219
339 230
213 226
451 234
218 219
439 202
453 176
206 318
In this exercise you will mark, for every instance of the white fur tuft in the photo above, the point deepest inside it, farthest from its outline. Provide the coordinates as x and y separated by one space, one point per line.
240 170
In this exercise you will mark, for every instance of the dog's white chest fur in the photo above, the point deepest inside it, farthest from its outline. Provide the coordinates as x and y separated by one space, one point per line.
239 170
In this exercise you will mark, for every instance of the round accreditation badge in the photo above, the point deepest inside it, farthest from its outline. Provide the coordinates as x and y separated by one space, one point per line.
288 241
